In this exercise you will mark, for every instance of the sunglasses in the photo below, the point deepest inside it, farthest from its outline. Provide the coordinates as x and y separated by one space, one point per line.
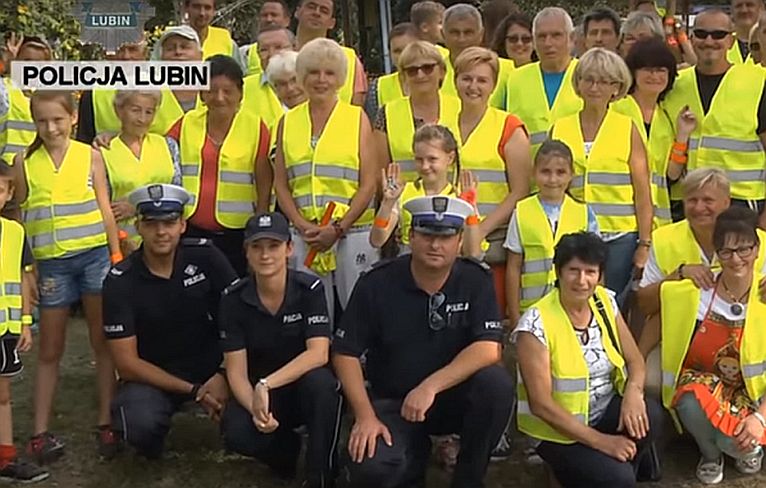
427 69
725 253
715 34
515 38
435 320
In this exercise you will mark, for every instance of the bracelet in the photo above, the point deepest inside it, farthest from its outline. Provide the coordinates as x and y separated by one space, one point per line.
681 271
760 418
472 220
195 390
122 235
645 242
381 223
26 319
264 383
680 146
116 257
678 158
29 268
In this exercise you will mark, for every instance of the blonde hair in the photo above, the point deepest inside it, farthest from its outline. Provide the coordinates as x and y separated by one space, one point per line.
318 53
122 97
601 63
419 50
282 64
474 56
698 178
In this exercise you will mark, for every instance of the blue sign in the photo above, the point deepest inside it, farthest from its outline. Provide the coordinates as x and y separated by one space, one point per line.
111 21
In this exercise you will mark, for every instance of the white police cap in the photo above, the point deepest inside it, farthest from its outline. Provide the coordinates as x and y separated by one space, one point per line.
159 201
438 214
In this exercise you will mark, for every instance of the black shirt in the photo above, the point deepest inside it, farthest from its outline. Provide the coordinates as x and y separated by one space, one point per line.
388 316
707 85
86 121
272 341
173 320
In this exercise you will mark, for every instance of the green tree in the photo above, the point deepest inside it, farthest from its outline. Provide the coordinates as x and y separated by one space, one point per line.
51 19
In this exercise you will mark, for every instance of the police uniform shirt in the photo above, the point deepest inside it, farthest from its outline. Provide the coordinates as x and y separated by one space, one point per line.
388 316
273 340
173 320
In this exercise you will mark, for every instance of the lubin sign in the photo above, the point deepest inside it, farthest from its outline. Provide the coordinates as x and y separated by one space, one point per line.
111 20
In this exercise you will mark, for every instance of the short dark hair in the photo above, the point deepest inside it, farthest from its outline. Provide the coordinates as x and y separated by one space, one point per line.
223 65
601 13
300 4
403 29
283 3
426 11
554 148
515 18
738 221
585 246
652 53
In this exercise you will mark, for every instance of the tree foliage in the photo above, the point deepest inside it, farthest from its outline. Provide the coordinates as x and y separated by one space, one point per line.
51 19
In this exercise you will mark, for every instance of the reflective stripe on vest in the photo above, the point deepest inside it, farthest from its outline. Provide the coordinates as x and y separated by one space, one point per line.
608 189
413 189
11 252
389 89
127 173
218 41
346 92
569 371
479 154
400 130
260 99
17 129
235 187
61 214
328 172
725 137
253 60
526 99
538 242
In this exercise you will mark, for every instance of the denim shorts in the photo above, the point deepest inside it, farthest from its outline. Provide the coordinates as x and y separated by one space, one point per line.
62 281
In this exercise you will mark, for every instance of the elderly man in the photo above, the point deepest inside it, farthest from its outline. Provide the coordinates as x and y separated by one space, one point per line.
745 14
429 373
273 13
214 40
540 93
602 28
728 103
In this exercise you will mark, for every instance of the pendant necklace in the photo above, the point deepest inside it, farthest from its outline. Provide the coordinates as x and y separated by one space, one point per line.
736 308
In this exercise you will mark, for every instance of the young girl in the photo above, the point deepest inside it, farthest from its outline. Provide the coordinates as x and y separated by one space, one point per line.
436 160
61 187
530 274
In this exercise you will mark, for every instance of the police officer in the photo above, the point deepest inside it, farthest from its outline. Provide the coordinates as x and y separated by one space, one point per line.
430 326
275 333
160 310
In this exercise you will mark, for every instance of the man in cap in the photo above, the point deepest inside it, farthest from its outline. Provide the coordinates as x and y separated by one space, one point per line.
160 318
275 333
430 326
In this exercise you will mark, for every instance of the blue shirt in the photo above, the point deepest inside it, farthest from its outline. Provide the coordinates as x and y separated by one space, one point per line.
552 83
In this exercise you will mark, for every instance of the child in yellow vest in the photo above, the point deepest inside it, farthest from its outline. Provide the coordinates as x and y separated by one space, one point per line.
16 281
530 244
436 161
61 187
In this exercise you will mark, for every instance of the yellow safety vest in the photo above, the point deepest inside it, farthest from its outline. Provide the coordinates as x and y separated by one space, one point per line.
61 214
679 301
236 191
127 173
526 99
218 41
569 371
538 242
346 92
734 54
414 189
105 117
329 172
602 180
17 129
389 89
253 60
659 143
400 130
260 99
479 154
726 136
498 96
11 250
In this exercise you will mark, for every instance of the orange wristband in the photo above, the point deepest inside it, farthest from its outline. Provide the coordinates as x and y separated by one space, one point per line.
116 257
122 235
472 220
381 223
682 37
678 158
680 146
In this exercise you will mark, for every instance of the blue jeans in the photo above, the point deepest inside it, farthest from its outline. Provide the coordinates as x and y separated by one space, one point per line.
64 280
619 265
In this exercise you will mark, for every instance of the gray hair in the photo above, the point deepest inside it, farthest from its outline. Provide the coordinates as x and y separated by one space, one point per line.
698 178
636 20
321 52
559 12
122 97
462 10
288 33
282 64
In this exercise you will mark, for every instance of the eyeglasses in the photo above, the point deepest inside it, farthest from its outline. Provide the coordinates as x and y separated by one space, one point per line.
515 38
427 69
435 320
725 253
598 82
703 34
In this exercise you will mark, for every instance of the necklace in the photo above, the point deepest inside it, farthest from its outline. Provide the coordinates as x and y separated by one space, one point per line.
736 307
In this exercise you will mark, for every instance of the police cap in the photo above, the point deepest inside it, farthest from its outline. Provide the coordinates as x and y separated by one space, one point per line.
159 201
438 214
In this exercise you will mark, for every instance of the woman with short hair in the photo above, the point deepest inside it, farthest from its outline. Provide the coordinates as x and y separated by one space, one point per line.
637 27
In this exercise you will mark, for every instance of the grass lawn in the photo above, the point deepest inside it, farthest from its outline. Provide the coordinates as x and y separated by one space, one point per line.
194 458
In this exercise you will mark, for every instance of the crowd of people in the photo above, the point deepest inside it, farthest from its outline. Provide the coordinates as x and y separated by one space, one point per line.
298 245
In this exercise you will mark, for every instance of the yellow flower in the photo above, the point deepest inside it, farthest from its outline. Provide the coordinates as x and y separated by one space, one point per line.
22 9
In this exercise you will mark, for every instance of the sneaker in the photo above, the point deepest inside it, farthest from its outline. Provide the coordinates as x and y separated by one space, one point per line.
531 457
751 463
45 448
109 443
23 472
711 472
502 450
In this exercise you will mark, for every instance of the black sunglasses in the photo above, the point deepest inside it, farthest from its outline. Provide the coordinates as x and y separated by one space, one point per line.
435 320
514 38
715 34
427 69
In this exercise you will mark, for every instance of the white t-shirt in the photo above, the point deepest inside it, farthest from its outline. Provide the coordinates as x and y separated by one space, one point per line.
552 211
599 367
653 274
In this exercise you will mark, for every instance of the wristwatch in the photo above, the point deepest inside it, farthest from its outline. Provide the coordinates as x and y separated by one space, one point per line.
264 383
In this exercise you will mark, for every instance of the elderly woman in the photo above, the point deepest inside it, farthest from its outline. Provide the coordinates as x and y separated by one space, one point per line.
325 159
423 70
136 158
713 358
224 154
639 26
581 395
653 68
611 172
513 39
283 79
495 148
